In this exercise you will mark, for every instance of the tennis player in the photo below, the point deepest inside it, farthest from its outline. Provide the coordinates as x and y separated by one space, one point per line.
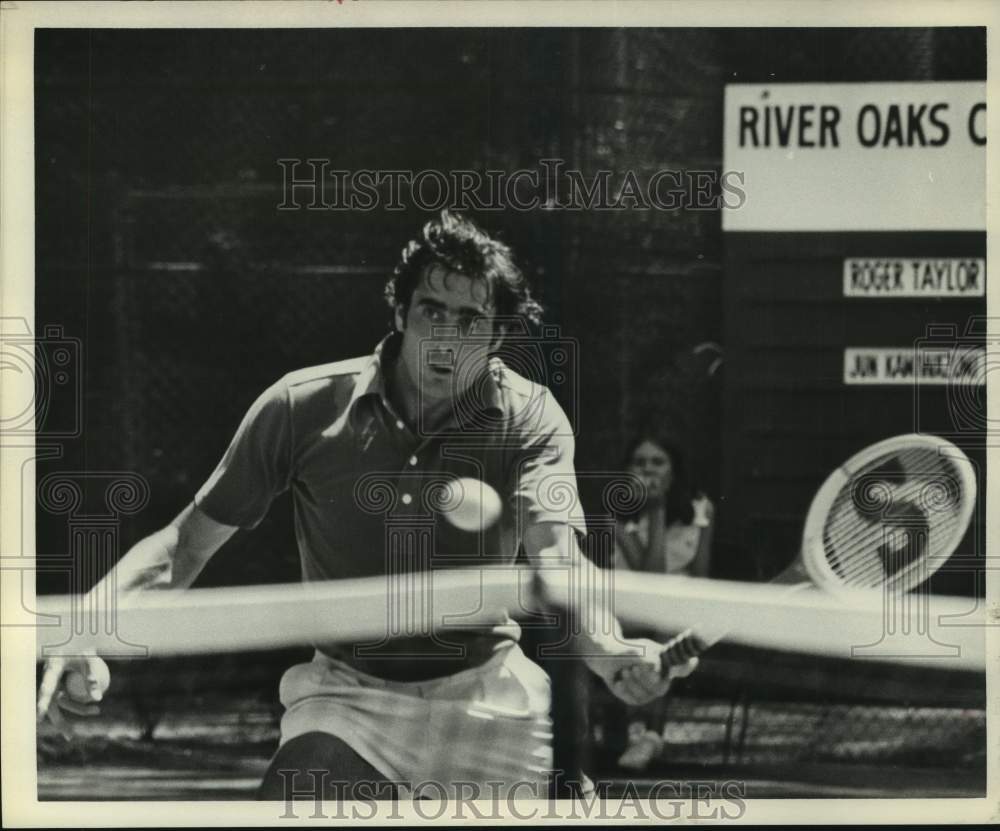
360 444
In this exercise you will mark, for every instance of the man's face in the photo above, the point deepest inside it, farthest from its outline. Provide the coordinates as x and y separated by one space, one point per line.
446 331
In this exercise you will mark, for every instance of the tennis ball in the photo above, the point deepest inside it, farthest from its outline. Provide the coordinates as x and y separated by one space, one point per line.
470 504
77 688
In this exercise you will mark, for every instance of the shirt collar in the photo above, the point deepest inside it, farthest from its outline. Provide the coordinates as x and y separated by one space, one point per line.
371 381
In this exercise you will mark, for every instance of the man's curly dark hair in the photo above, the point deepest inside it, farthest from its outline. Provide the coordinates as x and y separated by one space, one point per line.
460 245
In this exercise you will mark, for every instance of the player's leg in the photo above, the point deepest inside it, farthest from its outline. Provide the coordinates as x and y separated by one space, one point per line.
639 727
322 762
645 740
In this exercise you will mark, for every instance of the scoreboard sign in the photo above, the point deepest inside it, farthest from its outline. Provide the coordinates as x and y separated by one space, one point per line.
854 287
857 157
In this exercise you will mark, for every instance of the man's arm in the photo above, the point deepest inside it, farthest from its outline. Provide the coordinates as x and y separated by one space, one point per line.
553 550
630 667
255 468
171 558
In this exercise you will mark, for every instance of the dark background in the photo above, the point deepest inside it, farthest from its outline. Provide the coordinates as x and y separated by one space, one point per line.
182 293
160 248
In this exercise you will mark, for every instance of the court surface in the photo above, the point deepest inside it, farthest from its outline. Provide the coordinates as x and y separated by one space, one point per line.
215 746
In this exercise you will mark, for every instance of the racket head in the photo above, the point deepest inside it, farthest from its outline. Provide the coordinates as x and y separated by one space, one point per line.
890 516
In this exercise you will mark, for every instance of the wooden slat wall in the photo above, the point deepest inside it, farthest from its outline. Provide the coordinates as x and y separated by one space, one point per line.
788 418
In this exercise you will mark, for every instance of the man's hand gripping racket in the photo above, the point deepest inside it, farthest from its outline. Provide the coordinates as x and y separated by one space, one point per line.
74 685
887 519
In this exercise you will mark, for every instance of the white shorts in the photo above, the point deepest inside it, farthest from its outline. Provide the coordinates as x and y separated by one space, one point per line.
488 725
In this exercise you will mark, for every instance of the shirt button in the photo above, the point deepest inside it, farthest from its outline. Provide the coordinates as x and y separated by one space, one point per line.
413 461
400 424
407 499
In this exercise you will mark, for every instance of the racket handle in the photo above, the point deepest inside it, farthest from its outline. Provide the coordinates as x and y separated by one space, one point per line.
678 650
681 649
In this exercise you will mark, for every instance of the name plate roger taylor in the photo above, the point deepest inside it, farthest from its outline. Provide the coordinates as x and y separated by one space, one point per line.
914 277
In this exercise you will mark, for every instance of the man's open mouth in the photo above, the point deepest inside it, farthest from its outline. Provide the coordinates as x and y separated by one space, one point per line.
441 361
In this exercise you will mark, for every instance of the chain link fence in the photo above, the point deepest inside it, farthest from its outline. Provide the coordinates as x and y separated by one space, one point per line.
749 709
159 236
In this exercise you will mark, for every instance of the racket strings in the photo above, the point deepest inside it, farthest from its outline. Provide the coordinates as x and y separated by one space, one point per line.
848 531
888 552
858 542
863 553
883 561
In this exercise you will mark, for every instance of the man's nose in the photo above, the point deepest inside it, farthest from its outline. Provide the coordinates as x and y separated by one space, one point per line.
446 332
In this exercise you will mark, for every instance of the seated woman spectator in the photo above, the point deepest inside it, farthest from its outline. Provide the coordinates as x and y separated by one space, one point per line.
671 533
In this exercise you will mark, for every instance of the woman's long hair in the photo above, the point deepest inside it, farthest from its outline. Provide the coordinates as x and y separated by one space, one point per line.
677 499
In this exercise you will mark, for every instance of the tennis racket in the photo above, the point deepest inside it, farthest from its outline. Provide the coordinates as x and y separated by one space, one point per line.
887 519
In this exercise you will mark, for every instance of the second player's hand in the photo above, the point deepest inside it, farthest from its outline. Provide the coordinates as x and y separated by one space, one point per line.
53 697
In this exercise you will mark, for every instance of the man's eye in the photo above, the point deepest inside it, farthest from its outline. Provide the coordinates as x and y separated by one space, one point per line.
432 314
